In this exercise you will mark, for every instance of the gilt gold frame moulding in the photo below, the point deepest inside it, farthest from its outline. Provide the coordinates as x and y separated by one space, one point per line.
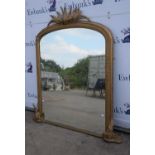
75 19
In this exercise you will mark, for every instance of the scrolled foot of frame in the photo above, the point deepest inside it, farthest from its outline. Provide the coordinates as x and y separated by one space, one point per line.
38 117
112 137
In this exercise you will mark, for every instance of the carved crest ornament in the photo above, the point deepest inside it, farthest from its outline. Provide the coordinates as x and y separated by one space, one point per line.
68 16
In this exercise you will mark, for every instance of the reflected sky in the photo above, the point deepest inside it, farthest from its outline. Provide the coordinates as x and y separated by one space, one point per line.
67 46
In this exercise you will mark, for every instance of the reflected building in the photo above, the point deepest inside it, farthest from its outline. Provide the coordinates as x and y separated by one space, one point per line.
51 81
96 74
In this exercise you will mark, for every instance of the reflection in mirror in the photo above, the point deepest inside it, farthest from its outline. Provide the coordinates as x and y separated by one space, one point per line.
73 78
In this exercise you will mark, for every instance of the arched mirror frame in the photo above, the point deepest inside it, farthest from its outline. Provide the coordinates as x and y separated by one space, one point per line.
39 115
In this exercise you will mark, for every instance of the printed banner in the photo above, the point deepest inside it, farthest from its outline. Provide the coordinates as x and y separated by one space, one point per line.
114 14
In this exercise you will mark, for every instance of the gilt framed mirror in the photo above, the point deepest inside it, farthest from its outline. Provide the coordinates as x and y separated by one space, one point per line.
74 75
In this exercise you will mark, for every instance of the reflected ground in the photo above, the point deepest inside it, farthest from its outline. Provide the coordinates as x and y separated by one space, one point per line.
75 109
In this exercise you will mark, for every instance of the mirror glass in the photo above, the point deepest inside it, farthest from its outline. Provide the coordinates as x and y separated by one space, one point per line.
73 78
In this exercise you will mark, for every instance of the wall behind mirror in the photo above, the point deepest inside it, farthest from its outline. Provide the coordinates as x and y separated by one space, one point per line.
73 78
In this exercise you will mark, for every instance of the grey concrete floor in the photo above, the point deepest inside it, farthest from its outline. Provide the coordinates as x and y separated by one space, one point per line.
45 139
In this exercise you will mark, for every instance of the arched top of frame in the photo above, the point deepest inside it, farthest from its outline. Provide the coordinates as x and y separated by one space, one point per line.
73 19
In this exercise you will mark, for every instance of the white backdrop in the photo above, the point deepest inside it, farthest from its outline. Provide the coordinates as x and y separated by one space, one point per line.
115 14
